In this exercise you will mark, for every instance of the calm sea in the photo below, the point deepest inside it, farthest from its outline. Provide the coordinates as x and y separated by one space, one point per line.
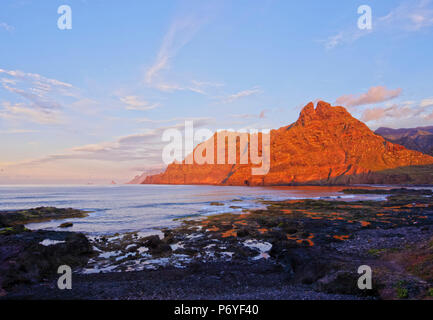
147 208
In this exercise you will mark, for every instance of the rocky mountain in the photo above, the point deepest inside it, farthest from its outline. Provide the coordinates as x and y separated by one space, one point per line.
138 179
326 145
419 139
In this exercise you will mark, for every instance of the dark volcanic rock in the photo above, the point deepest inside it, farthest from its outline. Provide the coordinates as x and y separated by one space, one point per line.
66 225
14 217
24 258
402 191
156 245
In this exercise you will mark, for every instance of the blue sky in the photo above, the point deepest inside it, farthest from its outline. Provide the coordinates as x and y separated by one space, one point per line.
90 104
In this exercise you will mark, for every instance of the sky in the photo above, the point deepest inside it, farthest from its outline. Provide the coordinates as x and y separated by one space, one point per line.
90 104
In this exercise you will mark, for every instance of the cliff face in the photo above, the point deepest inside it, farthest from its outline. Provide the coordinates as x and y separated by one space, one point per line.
419 139
326 145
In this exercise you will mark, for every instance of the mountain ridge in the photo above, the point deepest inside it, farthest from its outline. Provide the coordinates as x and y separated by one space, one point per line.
326 145
419 138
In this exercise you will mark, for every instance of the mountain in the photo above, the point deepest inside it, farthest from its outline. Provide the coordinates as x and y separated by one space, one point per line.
419 139
138 179
326 145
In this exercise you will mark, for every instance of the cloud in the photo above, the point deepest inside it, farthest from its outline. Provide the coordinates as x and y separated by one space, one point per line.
44 83
146 147
179 34
408 112
17 131
333 41
202 84
6 26
20 112
374 95
426 103
261 115
196 120
133 103
429 116
410 16
39 96
242 94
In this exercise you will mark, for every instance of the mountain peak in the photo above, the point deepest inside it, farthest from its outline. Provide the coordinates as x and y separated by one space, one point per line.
322 111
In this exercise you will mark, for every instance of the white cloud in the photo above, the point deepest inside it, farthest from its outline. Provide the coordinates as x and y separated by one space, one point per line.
6 26
146 147
426 103
242 94
374 95
261 115
17 131
39 97
429 117
410 16
179 34
408 114
333 41
199 120
21 112
36 79
134 103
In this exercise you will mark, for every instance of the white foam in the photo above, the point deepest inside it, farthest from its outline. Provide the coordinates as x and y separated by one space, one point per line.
49 242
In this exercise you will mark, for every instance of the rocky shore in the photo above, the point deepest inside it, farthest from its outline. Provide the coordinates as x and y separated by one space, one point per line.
303 249
28 257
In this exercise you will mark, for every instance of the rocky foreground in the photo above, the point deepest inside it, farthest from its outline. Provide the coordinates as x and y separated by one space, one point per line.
28 257
304 249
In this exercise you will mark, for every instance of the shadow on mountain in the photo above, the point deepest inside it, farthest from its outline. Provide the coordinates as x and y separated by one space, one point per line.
409 175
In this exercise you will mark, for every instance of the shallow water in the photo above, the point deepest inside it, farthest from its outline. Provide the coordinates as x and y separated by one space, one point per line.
147 208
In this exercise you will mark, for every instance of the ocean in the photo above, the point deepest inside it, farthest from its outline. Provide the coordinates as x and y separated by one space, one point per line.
148 208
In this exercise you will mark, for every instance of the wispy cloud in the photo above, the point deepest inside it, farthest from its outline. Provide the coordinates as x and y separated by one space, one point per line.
333 41
17 131
195 119
395 111
181 32
407 113
242 94
146 147
7 27
41 82
38 93
21 112
261 115
134 103
409 16
373 95
426 102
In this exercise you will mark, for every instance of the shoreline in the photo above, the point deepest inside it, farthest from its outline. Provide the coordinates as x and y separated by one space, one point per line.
301 249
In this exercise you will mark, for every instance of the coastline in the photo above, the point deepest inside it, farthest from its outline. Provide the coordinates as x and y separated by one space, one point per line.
302 249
